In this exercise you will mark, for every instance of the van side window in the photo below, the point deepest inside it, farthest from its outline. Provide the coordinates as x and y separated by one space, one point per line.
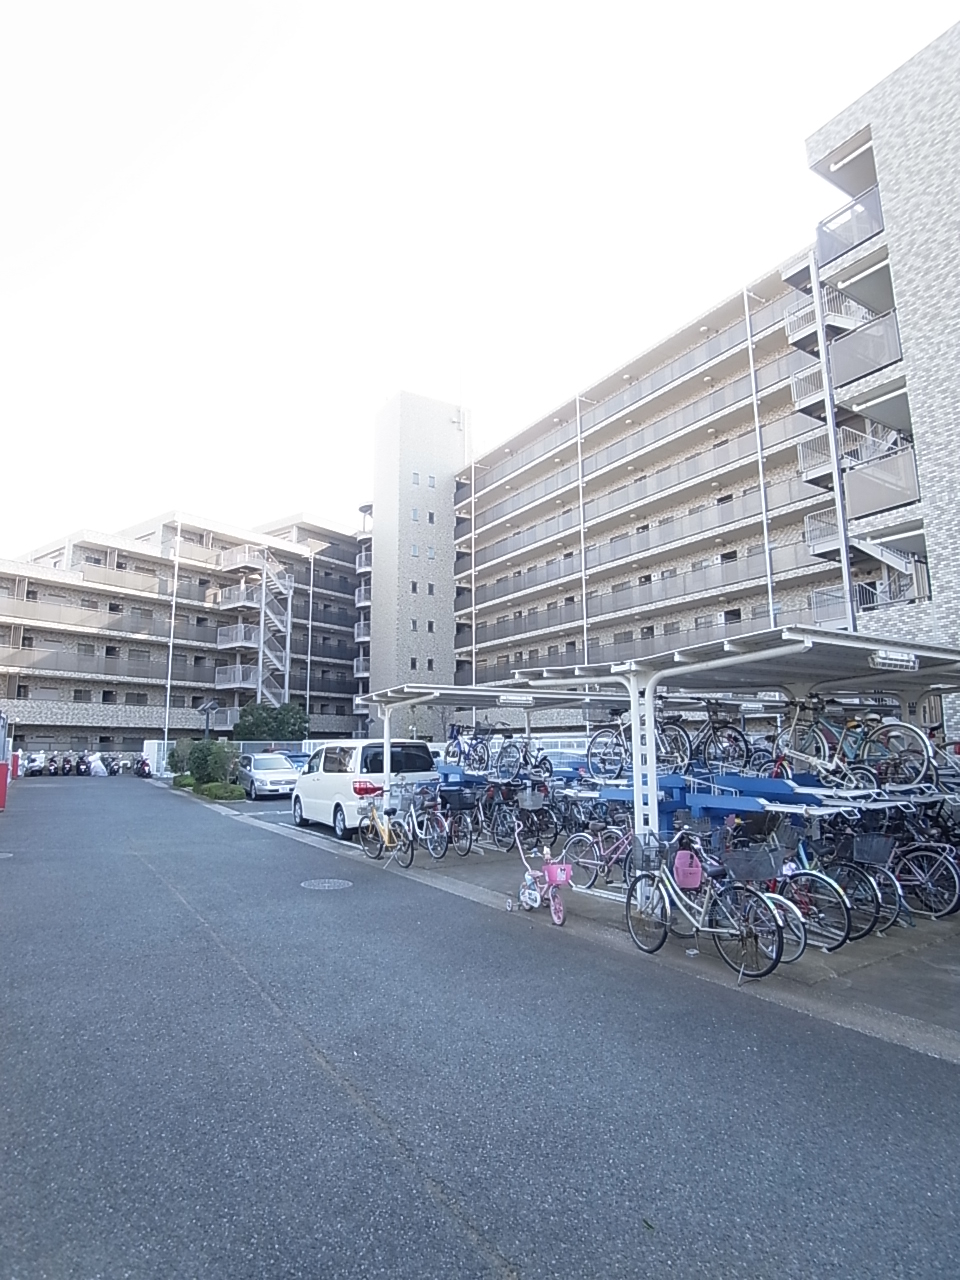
337 759
313 764
372 761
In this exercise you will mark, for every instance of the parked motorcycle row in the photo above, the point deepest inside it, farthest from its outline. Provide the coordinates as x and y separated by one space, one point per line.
97 765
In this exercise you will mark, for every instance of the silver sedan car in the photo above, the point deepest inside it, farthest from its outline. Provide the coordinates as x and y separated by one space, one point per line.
266 774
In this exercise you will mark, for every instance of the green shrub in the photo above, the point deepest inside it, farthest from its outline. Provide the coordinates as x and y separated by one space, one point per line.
218 791
208 761
178 756
183 780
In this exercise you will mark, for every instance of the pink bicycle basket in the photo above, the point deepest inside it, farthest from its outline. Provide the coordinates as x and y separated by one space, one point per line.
558 872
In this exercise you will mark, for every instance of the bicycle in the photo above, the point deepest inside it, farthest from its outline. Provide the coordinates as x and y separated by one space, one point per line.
609 751
745 927
421 823
515 757
866 746
458 806
472 752
597 851
380 830
539 888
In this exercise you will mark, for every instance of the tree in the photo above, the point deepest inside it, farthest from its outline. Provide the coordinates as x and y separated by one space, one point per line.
259 722
179 756
208 761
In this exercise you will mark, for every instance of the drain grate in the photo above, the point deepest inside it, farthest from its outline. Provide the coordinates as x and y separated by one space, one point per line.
326 884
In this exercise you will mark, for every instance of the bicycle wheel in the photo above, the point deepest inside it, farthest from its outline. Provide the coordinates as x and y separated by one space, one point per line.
605 754
478 757
891 897
897 753
794 930
508 762
724 748
804 739
528 830
863 897
547 826
370 839
503 827
648 912
405 844
557 913
544 767
435 835
746 931
822 905
451 752
461 832
929 881
584 857
673 747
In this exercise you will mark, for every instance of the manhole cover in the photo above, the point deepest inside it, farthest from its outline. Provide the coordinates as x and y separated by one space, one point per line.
326 884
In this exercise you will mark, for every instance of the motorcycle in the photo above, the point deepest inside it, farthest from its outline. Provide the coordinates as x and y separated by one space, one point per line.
83 767
113 767
53 766
66 766
142 768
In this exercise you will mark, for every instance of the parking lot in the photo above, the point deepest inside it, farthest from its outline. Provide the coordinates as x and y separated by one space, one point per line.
233 1048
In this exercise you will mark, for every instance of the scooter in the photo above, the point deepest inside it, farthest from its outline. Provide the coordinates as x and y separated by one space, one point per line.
66 766
142 768
83 767
113 767
53 766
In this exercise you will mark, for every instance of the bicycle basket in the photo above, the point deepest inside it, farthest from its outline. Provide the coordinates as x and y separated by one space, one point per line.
458 798
364 808
873 848
558 872
530 798
752 863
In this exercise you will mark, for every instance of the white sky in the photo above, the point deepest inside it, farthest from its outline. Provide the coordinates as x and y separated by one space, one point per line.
230 230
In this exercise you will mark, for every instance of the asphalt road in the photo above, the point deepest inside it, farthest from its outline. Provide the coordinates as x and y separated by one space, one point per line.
208 1070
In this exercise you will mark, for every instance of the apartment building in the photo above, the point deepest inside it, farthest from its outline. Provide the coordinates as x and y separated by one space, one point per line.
407 590
92 624
785 457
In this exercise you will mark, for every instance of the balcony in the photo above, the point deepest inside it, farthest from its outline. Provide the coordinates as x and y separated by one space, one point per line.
360 708
240 597
236 677
362 596
540 532
850 226
882 483
361 631
225 718
806 388
840 315
540 576
537 620
872 347
243 557
365 561
68 663
243 636
361 666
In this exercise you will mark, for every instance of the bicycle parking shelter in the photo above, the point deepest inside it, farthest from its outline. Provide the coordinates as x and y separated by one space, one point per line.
794 661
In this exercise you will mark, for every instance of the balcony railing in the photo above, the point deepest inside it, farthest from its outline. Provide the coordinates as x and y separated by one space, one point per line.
540 576
86 620
361 631
872 347
364 561
362 596
807 385
240 637
68 663
240 597
838 309
849 226
236 677
361 666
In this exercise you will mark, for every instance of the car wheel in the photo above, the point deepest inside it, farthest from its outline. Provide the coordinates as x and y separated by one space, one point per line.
253 791
298 819
340 824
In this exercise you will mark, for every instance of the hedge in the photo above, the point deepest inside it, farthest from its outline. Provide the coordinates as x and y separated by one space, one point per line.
183 780
218 791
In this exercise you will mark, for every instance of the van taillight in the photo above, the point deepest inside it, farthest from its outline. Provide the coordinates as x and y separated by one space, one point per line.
363 788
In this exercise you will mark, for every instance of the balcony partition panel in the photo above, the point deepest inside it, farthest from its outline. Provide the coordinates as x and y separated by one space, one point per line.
850 226
866 350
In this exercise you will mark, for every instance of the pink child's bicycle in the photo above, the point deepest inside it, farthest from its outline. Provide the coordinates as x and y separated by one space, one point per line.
540 887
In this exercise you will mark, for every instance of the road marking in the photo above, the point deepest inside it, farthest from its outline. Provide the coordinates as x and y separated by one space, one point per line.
909 1033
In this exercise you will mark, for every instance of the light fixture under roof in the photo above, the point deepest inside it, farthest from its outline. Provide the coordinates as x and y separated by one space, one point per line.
626 377
506 451
707 378
556 419
628 423
556 459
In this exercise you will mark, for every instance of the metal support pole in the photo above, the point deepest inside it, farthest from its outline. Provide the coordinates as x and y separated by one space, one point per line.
583 540
652 807
640 811
764 514
263 632
387 761
473 579
173 619
286 654
838 494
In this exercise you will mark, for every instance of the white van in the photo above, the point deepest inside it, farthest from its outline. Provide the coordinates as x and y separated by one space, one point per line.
340 774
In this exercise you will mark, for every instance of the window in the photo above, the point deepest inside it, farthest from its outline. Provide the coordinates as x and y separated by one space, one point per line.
131 744
646 633
732 615
644 579
197 700
429 588
431 553
724 499
112 651
134 698
138 655
338 759
414 549
121 565
617 587
32 593
47 694
27 642
622 637
571 647
85 649
668 573
642 528
569 599
115 607
108 695
429 664
140 611
413 624
23 691
430 626
430 518
340 709
533 655
416 477
695 565
178 700
81 695
88 602
415 514
93 559
702 623
553 651
413 588
202 622
413 664
727 557
432 481
671 628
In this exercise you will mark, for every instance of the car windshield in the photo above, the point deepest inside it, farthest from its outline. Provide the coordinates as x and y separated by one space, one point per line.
265 763
405 757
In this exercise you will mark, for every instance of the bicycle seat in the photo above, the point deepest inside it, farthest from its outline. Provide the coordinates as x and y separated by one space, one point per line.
389 813
597 826
716 871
